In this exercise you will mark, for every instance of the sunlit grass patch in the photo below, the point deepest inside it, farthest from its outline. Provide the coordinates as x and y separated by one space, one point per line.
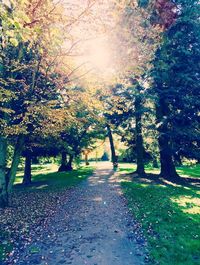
188 204
57 179
185 171
36 170
170 219
189 171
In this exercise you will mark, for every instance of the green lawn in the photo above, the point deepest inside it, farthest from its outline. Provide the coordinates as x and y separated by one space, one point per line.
45 177
170 217
190 171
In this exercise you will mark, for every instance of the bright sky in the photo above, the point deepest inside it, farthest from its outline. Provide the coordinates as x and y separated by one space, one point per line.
94 51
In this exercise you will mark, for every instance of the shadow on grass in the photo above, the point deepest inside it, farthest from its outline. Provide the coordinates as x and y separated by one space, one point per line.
57 179
189 176
170 216
170 220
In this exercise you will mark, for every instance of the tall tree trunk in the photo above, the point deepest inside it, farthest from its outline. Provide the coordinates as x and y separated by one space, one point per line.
139 138
112 146
86 159
155 162
27 169
63 166
168 169
15 162
3 189
177 159
69 163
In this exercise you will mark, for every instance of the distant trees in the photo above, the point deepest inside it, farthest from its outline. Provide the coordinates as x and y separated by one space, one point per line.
128 115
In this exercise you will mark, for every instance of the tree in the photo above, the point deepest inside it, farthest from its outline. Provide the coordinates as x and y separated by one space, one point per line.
112 146
22 77
176 84
126 111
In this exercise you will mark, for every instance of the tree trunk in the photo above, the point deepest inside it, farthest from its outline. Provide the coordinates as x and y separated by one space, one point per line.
15 162
112 147
168 169
86 159
139 138
63 166
27 169
177 159
155 163
3 189
69 164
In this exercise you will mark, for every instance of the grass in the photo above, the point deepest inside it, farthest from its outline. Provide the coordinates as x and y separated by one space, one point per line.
190 171
48 181
170 218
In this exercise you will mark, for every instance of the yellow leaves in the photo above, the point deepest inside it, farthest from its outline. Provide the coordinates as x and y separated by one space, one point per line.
14 42
6 110
14 130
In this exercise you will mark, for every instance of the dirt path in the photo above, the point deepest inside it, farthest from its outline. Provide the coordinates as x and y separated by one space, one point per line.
93 227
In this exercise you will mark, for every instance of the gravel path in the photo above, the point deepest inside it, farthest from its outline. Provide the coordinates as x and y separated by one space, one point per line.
93 227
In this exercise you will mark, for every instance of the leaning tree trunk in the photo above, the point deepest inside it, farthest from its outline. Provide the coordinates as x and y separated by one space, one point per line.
63 166
27 169
15 162
69 163
112 146
168 169
3 189
139 137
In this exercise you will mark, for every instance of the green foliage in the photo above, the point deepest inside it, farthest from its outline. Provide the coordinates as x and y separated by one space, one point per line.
176 81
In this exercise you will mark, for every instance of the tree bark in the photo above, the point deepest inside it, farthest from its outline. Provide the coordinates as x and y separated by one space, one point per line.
86 159
69 163
63 166
139 138
112 146
155 163
168 169
15 162
3 188
177 159
27 169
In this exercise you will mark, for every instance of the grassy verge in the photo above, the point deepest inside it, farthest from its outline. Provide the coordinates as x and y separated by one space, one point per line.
190 171
34 204
41 179
170 217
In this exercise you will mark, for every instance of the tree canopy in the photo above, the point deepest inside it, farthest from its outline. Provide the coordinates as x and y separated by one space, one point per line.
69 76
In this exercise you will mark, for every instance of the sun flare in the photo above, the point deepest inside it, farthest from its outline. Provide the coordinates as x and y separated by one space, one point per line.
99 55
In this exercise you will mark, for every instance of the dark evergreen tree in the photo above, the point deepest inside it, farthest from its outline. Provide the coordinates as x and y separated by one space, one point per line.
176 77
